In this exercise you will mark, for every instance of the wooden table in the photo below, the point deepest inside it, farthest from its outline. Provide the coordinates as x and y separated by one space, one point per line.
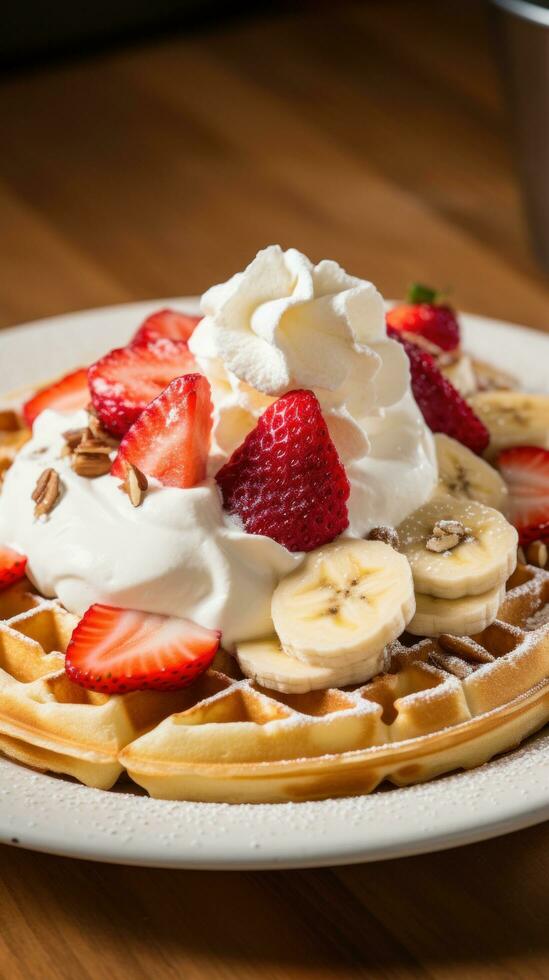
375 136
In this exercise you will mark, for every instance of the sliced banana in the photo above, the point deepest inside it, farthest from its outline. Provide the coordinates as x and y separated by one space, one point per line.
462 617
483 557
460 373
513 418
464 475
265 662
344 603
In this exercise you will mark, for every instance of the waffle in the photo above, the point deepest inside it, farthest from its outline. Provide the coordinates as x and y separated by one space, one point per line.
13 435
440 705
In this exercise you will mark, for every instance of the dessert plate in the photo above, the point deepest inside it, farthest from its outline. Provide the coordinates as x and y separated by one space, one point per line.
51 814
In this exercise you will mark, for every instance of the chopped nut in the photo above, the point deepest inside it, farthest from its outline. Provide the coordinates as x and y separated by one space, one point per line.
453 665
537 554
46 492
449 527
446 535
91 464
444 543
73 437
386 534
92 446
135 485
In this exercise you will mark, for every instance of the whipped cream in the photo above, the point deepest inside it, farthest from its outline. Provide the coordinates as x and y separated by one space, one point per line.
283 323
177 554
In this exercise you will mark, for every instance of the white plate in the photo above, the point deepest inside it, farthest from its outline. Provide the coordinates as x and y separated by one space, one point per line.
51 814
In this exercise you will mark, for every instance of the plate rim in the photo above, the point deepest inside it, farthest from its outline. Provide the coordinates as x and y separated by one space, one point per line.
526 805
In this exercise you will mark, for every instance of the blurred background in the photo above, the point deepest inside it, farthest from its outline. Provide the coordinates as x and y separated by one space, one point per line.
149 150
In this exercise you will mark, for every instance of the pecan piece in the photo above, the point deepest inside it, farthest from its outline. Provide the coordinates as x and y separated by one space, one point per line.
135 484
46 492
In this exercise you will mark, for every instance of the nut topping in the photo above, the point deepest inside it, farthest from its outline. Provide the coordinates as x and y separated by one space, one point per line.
386 534
46 492
90 449
135 485
91 464
446 536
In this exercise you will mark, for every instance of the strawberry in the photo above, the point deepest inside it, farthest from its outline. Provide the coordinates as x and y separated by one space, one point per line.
171 438
12 566
443 408
119 650
424 317
525 470
286 479
123 382
165 323
66 395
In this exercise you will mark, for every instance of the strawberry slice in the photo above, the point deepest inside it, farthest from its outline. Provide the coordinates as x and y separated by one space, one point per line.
123 382
442 406
12 566
119 650
286 480
423 316
66 395
166 323
171 438
525 470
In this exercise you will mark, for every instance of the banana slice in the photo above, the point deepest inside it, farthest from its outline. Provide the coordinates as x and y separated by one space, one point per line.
462 617
464 475
513 418
344 603
458 548
460 373
266 663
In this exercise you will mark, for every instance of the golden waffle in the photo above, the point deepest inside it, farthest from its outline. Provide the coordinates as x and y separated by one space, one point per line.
13 435
48 722
443 704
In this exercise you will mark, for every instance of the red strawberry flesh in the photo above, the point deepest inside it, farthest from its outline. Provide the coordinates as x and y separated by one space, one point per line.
286 479
423 316
115 651
68 394
171 438
442 406
126 380
166 323
12 566
525 470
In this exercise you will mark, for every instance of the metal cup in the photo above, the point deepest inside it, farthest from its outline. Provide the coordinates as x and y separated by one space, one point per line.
523 34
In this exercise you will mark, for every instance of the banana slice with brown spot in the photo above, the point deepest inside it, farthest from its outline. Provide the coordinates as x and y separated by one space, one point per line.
513 418
344 603
458 548
464 475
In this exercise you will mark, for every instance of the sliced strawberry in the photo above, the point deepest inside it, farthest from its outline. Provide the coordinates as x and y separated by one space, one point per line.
286 480
166 323
66 395
12 566
171 438
423 316
442 406
525 470
123 382
119 650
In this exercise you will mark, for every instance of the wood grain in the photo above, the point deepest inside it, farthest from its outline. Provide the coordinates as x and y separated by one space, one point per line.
375 136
